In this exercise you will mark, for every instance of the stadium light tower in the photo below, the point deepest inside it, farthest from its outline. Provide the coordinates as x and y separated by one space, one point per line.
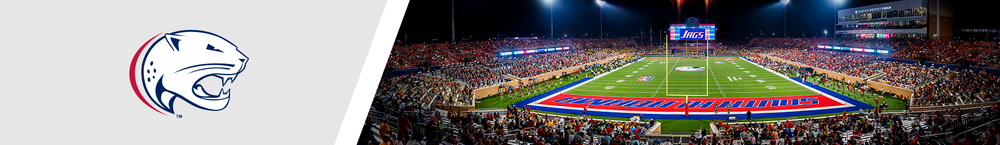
784 3
601 3
835 13
551 25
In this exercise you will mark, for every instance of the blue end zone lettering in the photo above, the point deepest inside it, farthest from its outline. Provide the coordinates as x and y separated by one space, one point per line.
639 103
650 105
723 104
567 99
811 101
706 104
789 102
763 103
733 105
750 104
594 101
584 100
690 104
620 103
664 105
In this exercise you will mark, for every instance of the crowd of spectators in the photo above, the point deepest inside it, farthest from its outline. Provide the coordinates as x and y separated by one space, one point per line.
829 60
474 74
989 58
427 88
868 127
514 126
406 56
770 64
425 55
976 53
842 129
782 42
604 43
905 75
453 84
544 129
522 44
728 50
881 43
536 64
962 87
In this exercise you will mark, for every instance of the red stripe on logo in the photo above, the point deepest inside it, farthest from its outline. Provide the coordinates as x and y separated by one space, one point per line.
131 74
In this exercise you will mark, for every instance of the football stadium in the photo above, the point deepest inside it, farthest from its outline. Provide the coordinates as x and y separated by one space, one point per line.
686 72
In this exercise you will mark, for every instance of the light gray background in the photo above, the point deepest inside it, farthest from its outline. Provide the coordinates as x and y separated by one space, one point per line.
64 70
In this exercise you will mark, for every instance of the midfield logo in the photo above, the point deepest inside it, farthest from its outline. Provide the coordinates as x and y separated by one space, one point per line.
690 69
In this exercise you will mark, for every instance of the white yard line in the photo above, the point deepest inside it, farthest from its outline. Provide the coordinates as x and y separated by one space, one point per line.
665 78
658 87
800 84
716 81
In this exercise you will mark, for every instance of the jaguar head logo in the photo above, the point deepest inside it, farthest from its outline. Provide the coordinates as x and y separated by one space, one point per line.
192 66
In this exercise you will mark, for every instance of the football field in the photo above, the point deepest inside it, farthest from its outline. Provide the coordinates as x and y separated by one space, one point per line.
693 77
657 87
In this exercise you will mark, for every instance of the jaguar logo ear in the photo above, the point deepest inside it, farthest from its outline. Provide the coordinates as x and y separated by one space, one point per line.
174 42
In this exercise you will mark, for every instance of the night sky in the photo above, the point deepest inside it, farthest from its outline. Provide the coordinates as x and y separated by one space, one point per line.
735 20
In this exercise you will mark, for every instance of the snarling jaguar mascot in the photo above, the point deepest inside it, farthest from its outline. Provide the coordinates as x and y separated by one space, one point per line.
188 65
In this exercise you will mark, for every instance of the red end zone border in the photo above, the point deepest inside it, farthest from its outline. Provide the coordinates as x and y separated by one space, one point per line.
695 105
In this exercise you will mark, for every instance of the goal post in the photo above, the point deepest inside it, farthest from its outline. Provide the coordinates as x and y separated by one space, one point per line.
677 62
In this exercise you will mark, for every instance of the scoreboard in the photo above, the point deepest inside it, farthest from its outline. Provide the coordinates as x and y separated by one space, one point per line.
703 32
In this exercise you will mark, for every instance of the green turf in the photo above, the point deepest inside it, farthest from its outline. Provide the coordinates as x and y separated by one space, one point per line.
715 81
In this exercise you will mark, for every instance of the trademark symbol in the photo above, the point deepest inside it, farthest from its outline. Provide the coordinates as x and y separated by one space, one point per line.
180 116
